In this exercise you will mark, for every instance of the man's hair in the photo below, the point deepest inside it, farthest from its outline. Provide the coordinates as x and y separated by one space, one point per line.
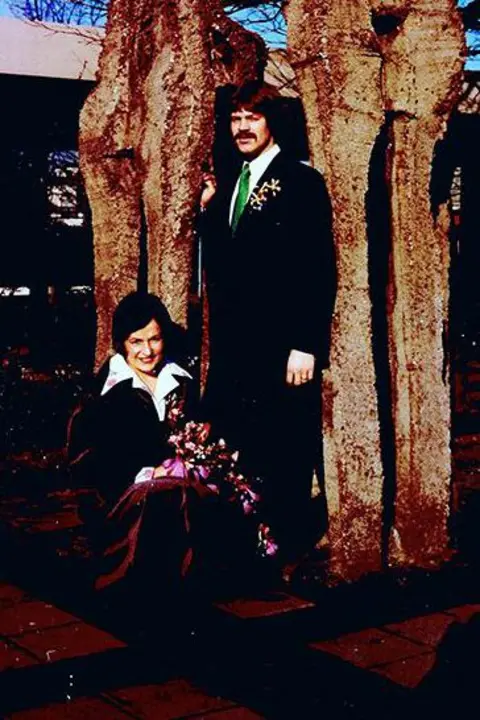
258 97
135 311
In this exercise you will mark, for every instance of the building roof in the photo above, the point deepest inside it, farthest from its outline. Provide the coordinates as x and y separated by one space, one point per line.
280 73
49 49
70 51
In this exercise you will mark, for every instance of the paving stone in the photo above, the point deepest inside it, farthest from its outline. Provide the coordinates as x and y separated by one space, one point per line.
272 604
464 613
11 595
68 641
12 657
47 523
30 616
168 701
408 673
426 629
236 713
10 592
78 709
466 440
467 479
368 648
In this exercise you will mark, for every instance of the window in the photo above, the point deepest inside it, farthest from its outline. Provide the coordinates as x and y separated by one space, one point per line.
64 189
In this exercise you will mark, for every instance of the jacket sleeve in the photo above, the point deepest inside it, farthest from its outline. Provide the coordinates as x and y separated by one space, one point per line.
82 431
80 448
311 265
111 438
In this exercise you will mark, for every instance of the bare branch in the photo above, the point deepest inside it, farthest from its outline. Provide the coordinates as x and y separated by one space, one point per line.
75 12
264 18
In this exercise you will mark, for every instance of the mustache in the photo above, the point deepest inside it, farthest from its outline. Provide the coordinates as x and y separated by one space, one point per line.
245 136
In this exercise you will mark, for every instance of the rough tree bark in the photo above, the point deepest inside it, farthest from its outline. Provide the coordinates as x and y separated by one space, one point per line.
145 131
338 74
422 78
355 62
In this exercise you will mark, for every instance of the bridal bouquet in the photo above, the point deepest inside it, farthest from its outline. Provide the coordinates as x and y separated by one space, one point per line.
210 461
201 466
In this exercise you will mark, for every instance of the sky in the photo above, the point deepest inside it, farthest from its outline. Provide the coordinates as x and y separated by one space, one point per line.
277 39
473 38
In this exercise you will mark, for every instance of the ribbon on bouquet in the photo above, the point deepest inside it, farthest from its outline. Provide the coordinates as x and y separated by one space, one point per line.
125 519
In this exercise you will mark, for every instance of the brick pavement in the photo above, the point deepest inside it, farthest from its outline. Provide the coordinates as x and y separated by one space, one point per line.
372 664
404 652
289 657
34 633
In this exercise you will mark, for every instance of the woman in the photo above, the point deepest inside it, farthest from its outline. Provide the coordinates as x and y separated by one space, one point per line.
118 441
120 434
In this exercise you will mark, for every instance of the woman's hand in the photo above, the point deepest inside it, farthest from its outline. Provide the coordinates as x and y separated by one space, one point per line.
160 472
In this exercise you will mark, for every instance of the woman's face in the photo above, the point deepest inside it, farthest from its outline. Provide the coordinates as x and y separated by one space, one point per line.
144 348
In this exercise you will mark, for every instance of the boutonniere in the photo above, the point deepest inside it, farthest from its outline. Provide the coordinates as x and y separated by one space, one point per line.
260 197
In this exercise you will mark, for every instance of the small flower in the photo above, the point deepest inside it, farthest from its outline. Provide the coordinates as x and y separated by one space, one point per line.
266 544
260 197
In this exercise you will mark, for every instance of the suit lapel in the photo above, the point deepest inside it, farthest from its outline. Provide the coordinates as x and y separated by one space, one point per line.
273 171
224 204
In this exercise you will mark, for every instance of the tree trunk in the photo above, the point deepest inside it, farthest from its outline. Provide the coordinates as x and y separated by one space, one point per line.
355 62
338 76
146 129
110 169
422 78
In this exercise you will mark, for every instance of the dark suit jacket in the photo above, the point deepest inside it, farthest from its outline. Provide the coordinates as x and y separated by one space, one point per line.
271 286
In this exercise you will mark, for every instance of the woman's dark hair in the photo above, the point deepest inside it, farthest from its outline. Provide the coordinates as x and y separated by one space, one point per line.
259 97
135 311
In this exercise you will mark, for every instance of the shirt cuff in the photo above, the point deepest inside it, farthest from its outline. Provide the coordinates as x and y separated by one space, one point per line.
144 475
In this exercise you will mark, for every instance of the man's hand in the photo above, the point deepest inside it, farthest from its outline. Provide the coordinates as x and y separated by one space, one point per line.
300 367
209 188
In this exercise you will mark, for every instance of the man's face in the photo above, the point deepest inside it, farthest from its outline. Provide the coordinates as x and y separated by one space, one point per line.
250 132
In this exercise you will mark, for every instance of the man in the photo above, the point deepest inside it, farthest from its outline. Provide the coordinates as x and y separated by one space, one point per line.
270 271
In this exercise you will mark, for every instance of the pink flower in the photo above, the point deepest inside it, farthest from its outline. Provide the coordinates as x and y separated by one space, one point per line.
266 543
214 460
175 467
247 507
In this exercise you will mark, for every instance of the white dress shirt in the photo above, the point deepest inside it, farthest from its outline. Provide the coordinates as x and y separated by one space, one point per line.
166 382
257 169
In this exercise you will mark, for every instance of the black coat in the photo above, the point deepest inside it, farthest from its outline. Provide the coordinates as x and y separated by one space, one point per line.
271 286
271 289
112 437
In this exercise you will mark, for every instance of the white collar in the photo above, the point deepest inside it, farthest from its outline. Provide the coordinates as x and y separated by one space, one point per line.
259 165
120 370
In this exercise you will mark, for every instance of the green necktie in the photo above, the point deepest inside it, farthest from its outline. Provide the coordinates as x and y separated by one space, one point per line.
242 195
